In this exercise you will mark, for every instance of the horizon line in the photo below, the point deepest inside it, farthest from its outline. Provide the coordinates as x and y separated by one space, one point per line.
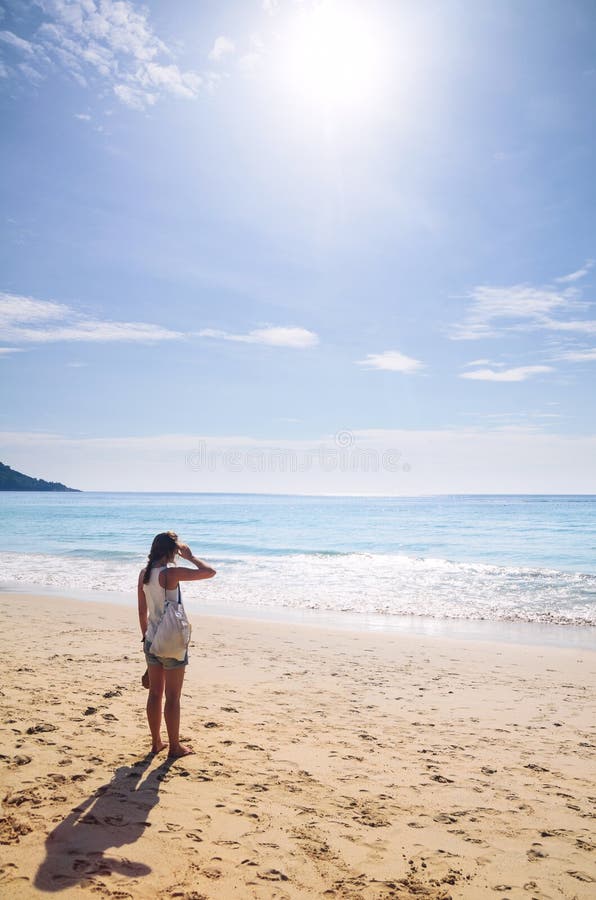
286 494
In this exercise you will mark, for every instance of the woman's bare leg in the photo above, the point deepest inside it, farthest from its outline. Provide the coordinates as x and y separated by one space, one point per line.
154 701
173 680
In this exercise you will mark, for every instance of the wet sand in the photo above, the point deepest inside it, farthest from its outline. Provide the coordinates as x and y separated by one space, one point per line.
329 763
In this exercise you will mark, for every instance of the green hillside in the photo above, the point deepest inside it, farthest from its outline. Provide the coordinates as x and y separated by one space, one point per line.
16 481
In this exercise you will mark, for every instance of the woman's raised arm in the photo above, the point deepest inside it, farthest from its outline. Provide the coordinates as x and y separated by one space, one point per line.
182 573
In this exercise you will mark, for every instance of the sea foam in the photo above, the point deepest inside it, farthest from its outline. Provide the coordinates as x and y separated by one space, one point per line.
386 584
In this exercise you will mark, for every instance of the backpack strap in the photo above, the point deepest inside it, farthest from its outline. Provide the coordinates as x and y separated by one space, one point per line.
165 589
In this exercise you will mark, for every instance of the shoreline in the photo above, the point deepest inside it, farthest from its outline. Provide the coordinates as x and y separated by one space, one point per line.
327 762
579 637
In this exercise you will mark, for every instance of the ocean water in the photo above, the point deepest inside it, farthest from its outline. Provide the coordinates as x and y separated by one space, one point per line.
499 558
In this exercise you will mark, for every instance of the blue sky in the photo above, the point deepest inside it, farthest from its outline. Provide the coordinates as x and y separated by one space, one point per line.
268 224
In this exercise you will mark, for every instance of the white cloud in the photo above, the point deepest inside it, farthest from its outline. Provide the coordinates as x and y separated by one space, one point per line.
513 418
17 309
494 311
5 351
155 76
24 319
511 459
482 362
34 56
392 361
250 61
95 330
13 40
520 373
222 47
134 97
112 40
519 301
32 75
587 326
580 355
575 276
84 117
274 336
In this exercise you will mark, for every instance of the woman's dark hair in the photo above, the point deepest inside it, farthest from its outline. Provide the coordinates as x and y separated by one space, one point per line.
164 544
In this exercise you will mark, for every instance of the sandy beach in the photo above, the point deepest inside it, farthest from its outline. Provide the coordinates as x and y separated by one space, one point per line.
328 763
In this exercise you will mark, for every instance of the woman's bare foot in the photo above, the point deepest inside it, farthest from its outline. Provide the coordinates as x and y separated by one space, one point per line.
175 752
157 748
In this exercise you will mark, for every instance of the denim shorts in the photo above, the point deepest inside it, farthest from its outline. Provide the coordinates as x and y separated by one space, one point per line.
165 661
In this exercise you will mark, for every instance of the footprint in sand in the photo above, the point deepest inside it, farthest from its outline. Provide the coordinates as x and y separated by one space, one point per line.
272 875
581 876
585 844
211 872
12 830
20 760
536 852
445 818
194 836
18 798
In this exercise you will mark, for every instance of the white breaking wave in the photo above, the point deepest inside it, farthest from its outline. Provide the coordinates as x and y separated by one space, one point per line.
387 584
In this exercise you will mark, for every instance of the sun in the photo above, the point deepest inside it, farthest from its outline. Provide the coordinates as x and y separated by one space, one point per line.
333 56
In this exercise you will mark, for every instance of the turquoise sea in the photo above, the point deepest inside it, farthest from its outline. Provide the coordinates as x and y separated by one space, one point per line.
498 558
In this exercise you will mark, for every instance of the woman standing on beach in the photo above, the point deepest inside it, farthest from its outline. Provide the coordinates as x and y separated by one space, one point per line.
158 582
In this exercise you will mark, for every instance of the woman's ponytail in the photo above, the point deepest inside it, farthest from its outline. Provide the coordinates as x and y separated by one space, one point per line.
164 544
147 574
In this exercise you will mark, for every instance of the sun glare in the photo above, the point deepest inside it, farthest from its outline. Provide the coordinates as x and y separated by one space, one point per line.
334 55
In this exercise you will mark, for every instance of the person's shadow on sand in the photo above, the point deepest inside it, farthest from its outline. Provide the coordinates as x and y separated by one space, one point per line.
114 815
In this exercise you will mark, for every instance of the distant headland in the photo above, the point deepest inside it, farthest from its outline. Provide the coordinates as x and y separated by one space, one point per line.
16 481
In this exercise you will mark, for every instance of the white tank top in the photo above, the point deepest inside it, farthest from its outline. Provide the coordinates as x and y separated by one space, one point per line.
156 597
